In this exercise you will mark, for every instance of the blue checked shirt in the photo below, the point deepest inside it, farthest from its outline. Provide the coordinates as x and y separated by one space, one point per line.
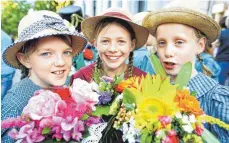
214 100
14 102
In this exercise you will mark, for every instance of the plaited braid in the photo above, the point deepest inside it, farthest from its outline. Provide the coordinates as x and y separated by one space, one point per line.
200 35
206 70
130 64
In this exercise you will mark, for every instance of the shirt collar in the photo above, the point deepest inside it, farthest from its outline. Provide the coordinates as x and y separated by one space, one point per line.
201 84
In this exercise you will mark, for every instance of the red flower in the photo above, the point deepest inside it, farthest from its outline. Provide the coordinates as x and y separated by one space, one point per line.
199 130
88 54
63 92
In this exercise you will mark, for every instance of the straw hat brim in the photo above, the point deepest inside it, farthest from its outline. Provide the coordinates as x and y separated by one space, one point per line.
89 25
189 17
9 55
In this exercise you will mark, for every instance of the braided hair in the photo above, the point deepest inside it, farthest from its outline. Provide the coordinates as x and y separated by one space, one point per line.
107 21
200 35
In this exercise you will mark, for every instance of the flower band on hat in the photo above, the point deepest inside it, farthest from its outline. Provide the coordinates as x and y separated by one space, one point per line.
117 14
47 22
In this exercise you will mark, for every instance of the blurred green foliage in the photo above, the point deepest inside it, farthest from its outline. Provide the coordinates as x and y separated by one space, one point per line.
14 10
53 5
12 13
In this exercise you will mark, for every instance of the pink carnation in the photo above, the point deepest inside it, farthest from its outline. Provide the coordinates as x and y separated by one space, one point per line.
82 93
42 105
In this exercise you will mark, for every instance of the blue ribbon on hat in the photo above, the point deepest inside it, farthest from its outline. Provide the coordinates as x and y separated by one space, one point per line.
48 22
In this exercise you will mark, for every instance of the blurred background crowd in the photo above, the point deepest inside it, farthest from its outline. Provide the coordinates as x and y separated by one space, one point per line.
214 61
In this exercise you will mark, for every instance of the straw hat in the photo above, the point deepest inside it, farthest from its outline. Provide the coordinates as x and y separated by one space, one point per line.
89 25
186 16
40 24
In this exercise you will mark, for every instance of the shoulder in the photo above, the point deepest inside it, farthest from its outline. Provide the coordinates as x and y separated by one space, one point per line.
18 96
84 73
138 72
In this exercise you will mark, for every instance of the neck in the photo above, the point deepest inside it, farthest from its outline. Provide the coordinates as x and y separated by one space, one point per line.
114 72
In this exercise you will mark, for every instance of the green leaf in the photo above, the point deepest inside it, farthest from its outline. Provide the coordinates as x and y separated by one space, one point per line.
209 137
184 75
144 136
128 97
85 117
118 79
129 107
46 131
157 66
114 106
149 138
193 93
101 110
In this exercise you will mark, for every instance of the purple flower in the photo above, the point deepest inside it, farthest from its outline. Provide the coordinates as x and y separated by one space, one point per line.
107 79
104 97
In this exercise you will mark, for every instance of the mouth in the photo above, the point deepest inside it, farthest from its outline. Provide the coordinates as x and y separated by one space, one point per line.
169 65
60 72
112 57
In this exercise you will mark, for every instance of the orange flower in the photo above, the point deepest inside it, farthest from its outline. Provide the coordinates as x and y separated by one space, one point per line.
129 83
188 103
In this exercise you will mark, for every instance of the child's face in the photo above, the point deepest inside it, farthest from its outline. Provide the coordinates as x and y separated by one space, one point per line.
177 45
114 46
50 63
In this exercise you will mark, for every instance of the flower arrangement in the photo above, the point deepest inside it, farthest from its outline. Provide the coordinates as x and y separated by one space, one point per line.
151 109
59 114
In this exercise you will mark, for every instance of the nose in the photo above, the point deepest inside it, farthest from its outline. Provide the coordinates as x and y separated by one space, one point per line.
169 51
59 61
113 48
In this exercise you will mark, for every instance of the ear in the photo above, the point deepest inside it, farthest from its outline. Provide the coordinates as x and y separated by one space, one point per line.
201 45
94 43
133 44
24 59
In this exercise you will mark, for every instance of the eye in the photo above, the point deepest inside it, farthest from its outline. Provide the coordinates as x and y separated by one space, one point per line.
46 54
179 42
161 43
121 41
68 53
105 42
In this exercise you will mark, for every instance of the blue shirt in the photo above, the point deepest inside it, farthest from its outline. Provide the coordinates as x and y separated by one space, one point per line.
214 100
142 60
5 42
14 102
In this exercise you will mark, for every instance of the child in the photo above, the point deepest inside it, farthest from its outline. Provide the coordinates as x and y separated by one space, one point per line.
115 37
181 35
43 52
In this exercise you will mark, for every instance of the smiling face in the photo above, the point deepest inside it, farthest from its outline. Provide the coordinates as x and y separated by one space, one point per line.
49 63
177 45
114 45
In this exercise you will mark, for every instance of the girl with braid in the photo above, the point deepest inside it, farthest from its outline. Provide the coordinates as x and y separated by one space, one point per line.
115 36
43 52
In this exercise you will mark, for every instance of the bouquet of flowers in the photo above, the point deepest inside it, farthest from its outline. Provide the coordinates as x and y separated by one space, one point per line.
59 114
151 109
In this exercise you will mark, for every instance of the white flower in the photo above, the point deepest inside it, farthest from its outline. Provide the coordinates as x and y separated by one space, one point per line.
188 128
185 119
94 86
178 115
130 133
192 118
119 97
